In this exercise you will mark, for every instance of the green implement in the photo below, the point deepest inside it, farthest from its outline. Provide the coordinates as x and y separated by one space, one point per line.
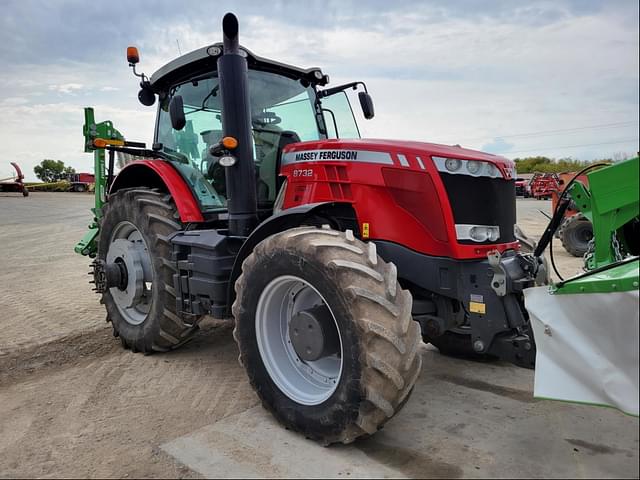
611 203
96 137
586 327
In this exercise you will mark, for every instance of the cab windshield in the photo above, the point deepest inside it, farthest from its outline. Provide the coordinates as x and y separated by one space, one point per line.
283 111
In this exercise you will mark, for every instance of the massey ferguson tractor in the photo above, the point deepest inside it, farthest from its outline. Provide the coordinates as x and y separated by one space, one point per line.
335 255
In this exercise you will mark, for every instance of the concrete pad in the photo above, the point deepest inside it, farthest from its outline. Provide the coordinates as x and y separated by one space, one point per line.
253 445
464 420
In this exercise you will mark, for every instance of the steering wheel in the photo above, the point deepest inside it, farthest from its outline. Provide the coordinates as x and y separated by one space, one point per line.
265 118
216 173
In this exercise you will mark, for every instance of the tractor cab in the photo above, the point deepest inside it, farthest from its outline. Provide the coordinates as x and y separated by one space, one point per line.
286 107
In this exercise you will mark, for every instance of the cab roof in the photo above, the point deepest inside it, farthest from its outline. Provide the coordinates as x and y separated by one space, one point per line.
204 60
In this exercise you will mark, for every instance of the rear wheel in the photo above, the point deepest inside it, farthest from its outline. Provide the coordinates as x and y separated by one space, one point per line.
325 333
134 234
575 233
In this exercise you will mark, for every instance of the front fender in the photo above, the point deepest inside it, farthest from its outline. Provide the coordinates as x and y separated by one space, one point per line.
289 218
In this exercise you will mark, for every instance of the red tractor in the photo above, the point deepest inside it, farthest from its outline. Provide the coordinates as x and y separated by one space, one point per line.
335 255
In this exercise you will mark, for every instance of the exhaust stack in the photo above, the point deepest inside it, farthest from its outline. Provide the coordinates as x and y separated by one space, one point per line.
236 122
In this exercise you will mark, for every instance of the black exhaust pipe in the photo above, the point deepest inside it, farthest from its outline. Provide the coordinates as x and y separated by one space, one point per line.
236 122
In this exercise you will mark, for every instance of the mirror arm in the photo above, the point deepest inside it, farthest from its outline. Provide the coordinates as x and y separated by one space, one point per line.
332 91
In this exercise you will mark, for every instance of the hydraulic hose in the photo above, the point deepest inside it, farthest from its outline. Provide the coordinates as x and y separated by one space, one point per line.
558 216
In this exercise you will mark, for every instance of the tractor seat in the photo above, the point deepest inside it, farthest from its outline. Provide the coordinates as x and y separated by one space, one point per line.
286 138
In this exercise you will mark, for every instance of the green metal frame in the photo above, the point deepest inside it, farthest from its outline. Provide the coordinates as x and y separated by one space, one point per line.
91 131
611 201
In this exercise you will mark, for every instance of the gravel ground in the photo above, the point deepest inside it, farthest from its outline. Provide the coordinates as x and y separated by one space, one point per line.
74 404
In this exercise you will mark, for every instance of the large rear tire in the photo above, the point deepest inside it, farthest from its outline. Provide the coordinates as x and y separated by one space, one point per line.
376 362
143 218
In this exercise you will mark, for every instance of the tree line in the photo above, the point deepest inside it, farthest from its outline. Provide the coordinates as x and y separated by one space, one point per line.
53 170
552 165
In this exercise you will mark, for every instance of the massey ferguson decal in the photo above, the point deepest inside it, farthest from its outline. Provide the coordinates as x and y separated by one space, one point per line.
326 155
337 155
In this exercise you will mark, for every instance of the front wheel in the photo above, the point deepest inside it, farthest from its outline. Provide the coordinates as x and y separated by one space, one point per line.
325 333
134 236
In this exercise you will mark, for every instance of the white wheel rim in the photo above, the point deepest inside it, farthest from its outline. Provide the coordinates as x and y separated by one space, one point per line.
126 240
304 382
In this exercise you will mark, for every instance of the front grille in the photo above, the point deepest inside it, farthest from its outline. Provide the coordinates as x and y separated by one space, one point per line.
482 201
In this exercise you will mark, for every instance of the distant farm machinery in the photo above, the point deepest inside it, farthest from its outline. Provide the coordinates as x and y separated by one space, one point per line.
542 185
14 183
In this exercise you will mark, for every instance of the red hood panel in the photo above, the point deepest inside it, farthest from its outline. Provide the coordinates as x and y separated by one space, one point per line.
403 146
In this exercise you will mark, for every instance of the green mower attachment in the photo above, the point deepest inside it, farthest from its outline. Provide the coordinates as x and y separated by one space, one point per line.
96 137
586 327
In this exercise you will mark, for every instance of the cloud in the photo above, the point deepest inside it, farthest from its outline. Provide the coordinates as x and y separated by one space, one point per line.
66 88
498 146
12 101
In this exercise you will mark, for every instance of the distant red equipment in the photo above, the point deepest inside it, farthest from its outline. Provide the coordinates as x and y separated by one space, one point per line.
543 185
14 184
80 182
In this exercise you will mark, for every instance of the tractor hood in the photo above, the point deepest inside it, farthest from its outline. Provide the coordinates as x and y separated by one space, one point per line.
397 150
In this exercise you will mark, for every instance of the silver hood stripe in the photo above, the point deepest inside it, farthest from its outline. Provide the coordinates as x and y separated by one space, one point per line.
337 155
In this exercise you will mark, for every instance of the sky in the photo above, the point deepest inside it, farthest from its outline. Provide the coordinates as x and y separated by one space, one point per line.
516 78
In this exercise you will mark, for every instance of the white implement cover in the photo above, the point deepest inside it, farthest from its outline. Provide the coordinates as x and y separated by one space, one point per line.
587 347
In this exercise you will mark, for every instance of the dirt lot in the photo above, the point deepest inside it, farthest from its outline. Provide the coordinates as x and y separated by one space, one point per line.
74 404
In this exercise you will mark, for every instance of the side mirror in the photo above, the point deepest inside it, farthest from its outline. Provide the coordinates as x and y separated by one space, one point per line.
146 95
176 113
366 102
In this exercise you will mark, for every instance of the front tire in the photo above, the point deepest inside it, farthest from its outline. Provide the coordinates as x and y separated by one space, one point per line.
145 218
379 342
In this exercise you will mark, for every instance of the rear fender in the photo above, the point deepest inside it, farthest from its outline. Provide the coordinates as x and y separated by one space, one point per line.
162 175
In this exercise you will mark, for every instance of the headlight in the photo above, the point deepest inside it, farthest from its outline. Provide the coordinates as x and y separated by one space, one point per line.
452 164
478 233
473 167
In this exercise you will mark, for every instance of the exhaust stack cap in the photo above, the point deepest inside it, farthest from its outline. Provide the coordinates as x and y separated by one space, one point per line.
230 41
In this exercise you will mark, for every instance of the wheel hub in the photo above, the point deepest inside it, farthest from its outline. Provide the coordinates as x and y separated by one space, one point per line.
313 333
125 256
127 273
